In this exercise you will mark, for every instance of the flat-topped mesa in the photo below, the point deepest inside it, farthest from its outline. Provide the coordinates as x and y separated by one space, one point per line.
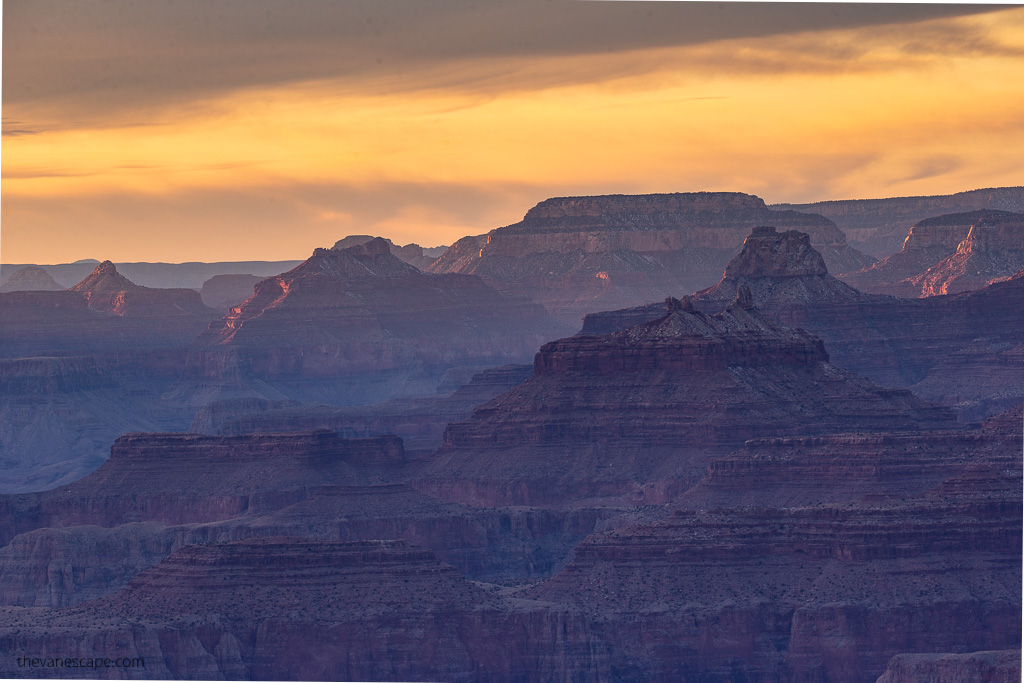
654 222
768 253
686 340
413 254
30 279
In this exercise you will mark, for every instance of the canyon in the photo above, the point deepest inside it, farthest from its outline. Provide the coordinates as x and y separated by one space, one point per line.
962 349
949 254
577 255
350 469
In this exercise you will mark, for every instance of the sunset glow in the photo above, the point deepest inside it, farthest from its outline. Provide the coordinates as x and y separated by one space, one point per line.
271 170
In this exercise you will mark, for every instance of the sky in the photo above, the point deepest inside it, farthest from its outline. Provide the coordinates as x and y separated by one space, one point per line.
220 130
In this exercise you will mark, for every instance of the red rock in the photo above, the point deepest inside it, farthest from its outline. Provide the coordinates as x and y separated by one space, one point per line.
358 325
582 254
879 226
928 242
637 414
958 349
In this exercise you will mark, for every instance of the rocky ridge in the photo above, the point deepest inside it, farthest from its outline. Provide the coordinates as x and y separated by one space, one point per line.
949 254
879 226
581 254
959 349
635 415
358 325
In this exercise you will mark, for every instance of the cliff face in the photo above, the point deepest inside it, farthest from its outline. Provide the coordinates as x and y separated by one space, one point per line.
577 254
949 254
879 226
832 583
635 415
920 556
958 349
357 325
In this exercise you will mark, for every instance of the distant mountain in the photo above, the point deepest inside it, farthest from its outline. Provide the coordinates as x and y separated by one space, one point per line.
949 254
355 325
930 345
159 275
578 255
30 279
879 226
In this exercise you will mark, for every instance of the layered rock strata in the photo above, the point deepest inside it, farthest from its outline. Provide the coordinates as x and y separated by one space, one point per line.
581 254
637 414
949 254
420 422
358 325
879 226
931 344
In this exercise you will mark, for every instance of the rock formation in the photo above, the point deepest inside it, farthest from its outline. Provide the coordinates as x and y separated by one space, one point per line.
879 226
108 291
358 325
413 254
582 254
636 414
829 586
30 279
932 345
949 254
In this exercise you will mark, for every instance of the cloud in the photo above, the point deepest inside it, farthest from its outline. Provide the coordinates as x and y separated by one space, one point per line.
88 58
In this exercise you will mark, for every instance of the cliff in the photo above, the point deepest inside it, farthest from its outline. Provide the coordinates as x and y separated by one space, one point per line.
879 226
578 254
358 325
635 415
949 254
958 349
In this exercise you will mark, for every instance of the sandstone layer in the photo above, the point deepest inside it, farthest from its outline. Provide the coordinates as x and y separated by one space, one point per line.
582 254
933 345
949 254
358 325
637 414
879 226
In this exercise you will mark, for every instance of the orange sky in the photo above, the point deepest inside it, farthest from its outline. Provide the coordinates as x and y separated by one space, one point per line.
177 152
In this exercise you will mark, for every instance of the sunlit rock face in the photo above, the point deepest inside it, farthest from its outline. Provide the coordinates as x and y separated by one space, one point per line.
636 415
357 324
949 254
879 226
582 254
30 278
963 350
